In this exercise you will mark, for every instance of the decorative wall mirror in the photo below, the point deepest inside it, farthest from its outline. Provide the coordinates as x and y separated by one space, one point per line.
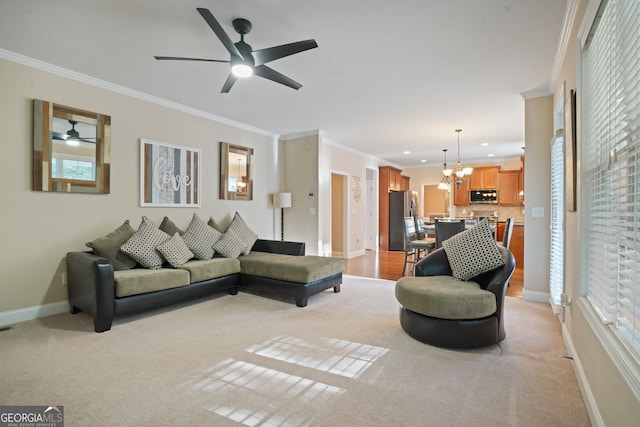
71 149
236 178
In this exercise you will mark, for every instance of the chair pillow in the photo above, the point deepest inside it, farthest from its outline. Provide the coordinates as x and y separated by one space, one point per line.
473 251
142 245
242 230
175 251
230 246
200 238
109 247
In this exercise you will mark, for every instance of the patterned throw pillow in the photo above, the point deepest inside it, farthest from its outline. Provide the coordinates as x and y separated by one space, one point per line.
109 247
230 246
175 251
200 238
473 251
242 230
142 245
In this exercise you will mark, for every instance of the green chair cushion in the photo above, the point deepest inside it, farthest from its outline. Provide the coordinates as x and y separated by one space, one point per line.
445 297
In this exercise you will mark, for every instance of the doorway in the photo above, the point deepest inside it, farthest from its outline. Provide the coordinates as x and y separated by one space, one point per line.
339 211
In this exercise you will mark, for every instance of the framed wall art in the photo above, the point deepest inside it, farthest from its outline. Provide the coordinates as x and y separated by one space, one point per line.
169 175
570 151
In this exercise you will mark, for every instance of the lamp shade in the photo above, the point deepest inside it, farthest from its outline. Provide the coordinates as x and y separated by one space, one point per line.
282 200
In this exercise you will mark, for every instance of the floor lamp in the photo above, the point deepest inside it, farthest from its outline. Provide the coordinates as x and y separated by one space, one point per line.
282 200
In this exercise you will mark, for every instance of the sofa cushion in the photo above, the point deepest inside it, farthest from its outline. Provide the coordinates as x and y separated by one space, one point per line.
214 224
473 251
175 251
200 238
141 281
299 269
211 268
142 245
230 245
109 247
445 297
243 231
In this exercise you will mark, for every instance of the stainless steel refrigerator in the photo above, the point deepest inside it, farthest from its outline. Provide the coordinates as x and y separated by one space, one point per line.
401 205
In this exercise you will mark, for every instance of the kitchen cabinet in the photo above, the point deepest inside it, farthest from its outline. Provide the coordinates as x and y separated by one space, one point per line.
484 178
509 187
460 195
389 179
517 241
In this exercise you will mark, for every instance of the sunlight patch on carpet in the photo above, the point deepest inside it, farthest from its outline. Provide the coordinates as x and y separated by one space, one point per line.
276 395
346 358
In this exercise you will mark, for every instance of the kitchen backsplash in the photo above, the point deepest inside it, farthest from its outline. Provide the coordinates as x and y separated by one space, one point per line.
502 212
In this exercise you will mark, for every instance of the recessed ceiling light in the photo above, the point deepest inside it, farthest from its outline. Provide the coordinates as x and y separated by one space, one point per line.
406 152
484 144
423 161
491 155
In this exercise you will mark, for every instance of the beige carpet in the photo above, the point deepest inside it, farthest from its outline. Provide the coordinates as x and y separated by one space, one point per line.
249 360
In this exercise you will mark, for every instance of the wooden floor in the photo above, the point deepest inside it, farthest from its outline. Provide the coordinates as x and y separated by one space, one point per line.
388 265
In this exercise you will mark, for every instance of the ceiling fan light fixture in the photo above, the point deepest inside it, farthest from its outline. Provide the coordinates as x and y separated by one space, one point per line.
241 70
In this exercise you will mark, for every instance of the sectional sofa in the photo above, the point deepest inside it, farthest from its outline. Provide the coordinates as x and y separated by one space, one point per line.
99 286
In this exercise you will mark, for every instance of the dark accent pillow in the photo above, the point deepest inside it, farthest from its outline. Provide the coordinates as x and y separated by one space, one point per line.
109 247
214 224
169 227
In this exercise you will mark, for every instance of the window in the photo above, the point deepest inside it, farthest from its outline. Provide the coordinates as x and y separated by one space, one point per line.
69 168
610 171
556 270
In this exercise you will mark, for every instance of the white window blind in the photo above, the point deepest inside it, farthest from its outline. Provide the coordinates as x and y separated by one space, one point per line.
556 263
610 168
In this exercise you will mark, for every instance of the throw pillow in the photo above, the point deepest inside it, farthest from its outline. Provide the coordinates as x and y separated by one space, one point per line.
169 227
109 247
473 251
142 245
242 230
175 251
214 224
230 246
200 238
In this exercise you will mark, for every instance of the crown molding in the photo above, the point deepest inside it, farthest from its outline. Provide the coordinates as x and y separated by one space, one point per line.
92 81
565 35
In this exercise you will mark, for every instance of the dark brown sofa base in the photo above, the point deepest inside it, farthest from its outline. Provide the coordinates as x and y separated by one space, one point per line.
300 291
452 333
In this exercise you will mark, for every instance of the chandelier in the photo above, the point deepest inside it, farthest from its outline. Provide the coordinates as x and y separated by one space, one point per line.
461 173
445 183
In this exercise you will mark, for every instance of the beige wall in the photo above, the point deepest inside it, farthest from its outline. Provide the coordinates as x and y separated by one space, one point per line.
38 228
608 391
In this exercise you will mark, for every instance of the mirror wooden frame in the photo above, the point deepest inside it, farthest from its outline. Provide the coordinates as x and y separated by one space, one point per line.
42 179
238 184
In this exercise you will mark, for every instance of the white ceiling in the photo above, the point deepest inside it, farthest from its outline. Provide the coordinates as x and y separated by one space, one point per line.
388 76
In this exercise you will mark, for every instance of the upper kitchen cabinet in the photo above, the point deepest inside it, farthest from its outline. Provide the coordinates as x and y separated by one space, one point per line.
510 187
390 179
461 195
484 178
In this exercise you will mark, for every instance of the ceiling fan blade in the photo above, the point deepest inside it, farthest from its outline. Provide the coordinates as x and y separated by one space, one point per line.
180 58
228 83
263 56
59 135
217 28
271 74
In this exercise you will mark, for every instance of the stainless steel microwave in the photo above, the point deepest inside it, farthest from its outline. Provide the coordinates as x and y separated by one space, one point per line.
483 196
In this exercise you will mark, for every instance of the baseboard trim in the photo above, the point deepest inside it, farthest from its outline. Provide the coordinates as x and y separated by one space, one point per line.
535 296
31 313
583 384
357 253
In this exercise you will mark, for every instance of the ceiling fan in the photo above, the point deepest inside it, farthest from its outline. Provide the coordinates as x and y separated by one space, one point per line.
244 60
72 136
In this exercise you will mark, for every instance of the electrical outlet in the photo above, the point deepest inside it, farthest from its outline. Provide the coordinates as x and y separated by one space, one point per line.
64 278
